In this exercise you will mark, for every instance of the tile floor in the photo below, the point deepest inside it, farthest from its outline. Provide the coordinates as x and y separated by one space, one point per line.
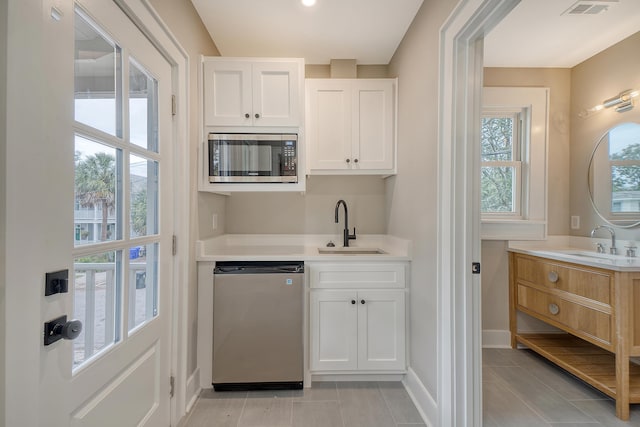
520 389
524 390
326 404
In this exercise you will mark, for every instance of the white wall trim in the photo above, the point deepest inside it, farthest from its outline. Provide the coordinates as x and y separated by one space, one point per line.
425 403
496 338
459 336
193 389
147 19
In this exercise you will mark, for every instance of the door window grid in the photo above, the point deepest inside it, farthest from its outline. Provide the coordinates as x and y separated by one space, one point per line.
107 122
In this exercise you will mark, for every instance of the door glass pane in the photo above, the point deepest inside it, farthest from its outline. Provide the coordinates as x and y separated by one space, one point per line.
144 196
497 189
96 289
143 284
143 108
96 195
97 78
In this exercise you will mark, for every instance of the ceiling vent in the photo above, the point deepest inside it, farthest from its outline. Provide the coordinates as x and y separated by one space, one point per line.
589 7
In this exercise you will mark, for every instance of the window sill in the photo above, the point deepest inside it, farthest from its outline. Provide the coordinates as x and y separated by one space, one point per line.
500 229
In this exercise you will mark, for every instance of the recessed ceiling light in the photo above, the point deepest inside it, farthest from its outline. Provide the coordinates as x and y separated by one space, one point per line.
308 3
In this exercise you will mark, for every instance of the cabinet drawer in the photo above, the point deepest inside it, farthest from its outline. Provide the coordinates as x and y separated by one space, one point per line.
357 275
575 318
589 283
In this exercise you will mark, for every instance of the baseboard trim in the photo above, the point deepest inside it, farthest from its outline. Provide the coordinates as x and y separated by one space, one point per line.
193 389
496 338
425 404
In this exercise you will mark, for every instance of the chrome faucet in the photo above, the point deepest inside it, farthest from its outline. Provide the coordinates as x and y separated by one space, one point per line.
613 250
345 233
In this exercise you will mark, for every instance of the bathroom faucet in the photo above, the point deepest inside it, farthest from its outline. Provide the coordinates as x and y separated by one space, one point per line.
345 233
613 250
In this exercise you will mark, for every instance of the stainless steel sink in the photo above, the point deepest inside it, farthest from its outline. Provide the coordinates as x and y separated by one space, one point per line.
351 251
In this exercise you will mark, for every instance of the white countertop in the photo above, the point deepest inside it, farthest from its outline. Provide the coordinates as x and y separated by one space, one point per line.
578 250
299 247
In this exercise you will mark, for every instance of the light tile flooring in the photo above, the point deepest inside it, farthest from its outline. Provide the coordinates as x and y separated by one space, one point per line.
522 389
325 404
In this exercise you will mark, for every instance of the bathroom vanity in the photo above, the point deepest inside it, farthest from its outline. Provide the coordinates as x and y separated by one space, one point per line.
591 299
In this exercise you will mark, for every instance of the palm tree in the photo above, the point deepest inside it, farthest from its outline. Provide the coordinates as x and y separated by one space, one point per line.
96 184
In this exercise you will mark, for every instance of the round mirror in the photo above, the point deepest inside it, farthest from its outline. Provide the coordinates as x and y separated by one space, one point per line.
614 176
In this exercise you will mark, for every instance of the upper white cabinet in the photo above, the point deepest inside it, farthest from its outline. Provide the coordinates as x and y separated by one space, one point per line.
247 92
351 126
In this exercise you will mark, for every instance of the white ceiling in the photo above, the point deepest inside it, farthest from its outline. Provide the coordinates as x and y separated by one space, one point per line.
366 30
534 34
537 34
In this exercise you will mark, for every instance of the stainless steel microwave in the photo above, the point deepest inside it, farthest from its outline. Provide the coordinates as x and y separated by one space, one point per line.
241 157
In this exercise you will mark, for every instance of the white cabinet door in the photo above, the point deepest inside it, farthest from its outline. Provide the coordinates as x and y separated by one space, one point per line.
351 126
227 93
381 330
275 94
373 125
239 92
334 336
329 124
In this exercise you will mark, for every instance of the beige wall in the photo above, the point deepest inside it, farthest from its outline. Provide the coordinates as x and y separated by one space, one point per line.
3 196
411 195
183 21
594 80
313 212
495 265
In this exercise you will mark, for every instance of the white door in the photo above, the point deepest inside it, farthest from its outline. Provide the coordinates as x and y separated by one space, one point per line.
329 124
373 124
334 333
227 93
275 94
381 331
102 173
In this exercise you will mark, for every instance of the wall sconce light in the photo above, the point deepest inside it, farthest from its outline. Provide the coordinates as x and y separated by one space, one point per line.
622 102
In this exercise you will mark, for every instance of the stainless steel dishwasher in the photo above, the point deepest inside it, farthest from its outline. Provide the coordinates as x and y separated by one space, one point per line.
257 325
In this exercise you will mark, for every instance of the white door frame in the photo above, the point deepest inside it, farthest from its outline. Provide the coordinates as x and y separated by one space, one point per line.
460 96
146 18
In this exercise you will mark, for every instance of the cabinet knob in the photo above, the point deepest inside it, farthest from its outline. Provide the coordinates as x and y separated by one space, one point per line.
348 160
554 309
553 276
355 160
257 116
247 115
353 301
361 301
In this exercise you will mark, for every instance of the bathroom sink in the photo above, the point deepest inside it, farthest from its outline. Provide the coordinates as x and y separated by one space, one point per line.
351 251
595 255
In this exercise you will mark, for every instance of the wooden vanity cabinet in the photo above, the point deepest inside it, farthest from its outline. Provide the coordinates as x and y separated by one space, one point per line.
594 307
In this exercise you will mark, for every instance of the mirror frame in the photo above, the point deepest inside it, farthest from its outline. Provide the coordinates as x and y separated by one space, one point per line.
626 223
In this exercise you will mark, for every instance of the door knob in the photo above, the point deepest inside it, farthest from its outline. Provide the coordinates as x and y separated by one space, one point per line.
59 328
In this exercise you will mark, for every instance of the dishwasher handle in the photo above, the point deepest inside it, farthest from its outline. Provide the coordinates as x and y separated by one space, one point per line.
258 267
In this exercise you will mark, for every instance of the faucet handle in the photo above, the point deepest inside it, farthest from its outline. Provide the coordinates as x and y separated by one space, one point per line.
631 251
600 248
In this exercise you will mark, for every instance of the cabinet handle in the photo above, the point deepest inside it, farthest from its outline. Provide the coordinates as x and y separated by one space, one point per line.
247 115
355 160
361 301
554 309
348 160
553 276
257 116
353 301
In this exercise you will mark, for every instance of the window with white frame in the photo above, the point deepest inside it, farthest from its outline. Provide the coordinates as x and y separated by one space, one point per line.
513 163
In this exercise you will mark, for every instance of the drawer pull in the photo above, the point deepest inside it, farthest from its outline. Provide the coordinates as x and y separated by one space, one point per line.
553 276
554 309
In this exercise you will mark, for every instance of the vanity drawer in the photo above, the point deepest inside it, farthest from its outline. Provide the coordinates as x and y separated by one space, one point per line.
587 322
589 283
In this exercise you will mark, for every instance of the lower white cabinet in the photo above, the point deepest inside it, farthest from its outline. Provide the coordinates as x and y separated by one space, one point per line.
357 329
